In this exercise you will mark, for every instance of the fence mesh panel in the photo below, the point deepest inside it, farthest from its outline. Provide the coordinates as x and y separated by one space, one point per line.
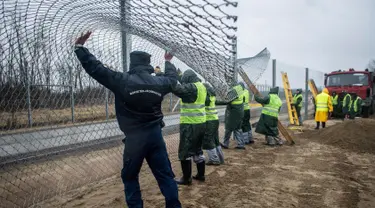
57 127
318 77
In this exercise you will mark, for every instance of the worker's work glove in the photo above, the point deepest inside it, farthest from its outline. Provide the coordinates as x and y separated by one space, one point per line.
179 72
157 70
168 56
82 40
329 115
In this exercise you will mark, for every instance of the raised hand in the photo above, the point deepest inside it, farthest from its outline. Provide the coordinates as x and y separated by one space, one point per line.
82 40
168 56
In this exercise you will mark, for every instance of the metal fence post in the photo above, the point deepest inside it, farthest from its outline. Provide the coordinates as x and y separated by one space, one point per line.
71 89
170 102
273 72
124 36
28 101
235 59
307 94
106 104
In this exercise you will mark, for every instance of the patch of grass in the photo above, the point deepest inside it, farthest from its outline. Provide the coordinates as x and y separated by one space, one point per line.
51 117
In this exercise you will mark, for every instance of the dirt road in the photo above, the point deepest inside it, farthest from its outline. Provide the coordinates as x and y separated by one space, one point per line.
309 174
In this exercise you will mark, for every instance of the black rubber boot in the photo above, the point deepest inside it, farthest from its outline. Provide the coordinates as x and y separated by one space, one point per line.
317 125
201 167
186 171
323 124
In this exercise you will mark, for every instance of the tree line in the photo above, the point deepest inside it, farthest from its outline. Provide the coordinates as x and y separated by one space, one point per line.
31 64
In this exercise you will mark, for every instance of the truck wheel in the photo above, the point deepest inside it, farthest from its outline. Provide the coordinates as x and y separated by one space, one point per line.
365 111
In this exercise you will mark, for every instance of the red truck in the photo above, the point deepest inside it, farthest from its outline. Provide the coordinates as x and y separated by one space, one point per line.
360 82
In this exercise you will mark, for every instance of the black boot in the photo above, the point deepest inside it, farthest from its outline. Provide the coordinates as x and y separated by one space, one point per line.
186 171
323 124
201 167
317 125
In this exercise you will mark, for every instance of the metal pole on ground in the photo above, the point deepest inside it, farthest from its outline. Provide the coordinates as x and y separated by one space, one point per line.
28 100
106 104
273 72
235 59
71 89
125 38
306 94
170 102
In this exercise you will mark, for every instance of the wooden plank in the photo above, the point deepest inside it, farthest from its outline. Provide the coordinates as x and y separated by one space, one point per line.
313 88
255 91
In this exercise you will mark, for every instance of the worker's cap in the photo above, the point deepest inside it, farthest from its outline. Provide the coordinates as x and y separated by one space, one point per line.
158 67
140 58
189 76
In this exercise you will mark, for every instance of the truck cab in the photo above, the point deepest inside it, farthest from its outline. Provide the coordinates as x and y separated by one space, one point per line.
351 81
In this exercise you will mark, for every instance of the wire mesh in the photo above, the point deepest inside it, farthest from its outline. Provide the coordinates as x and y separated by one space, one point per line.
318 77
57 127
296 75
199 33
256 65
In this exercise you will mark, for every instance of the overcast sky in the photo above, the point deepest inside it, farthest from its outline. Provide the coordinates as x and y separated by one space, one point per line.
320 34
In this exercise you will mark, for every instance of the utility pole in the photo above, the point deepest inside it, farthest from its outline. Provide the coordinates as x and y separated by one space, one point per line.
125 38
235 59
306 94
273 72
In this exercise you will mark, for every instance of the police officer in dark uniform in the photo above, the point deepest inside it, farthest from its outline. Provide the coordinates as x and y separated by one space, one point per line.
138 97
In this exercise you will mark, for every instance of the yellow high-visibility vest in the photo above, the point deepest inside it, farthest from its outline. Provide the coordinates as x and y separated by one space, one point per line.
246 95
295 98
211 112
335 100
322 102
194 113
239 91
272 108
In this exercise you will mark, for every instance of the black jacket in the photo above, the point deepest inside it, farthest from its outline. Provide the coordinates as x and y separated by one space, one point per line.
138 94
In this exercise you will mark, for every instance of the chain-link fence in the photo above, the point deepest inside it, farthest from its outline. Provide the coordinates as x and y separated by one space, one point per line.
57 125
298 77
58 130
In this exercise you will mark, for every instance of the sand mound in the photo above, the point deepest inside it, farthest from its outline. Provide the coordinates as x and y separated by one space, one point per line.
357 135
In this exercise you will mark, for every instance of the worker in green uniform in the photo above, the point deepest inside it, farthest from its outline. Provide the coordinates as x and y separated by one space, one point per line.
246 127
335 103
211 139
233 116
297 103
356 106
346 104
193 96
268 120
